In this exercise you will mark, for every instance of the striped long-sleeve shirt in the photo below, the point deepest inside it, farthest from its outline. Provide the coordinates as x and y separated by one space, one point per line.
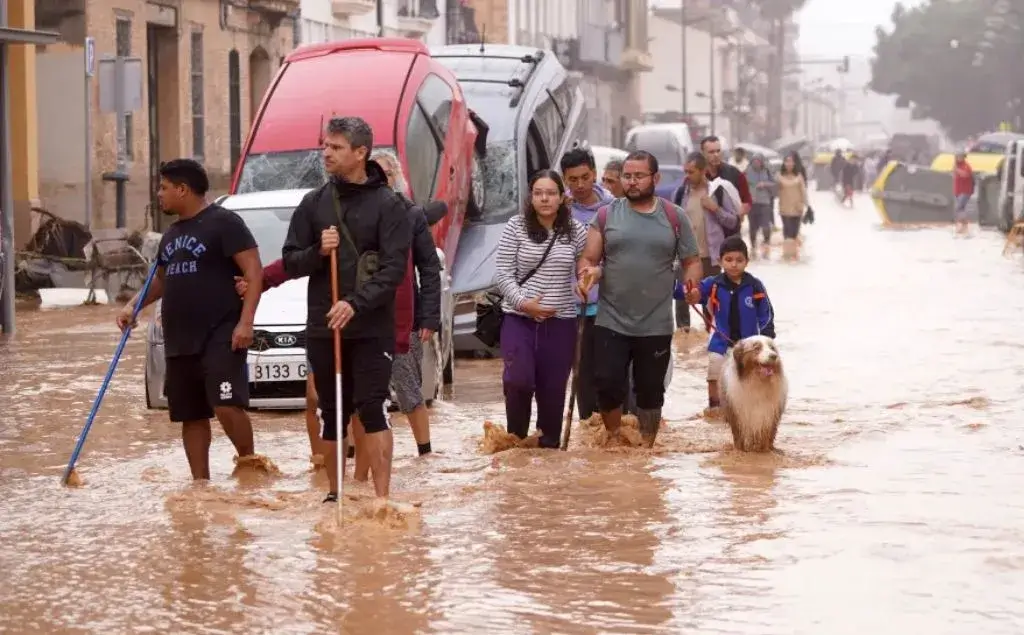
556 278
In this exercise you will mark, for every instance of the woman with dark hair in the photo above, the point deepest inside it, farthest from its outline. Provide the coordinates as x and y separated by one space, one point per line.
536 269
792 203
802 171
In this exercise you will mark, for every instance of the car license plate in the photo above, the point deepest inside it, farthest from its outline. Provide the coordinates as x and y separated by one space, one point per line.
262 371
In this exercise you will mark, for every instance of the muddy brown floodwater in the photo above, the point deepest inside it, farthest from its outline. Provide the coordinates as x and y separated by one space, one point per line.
897 508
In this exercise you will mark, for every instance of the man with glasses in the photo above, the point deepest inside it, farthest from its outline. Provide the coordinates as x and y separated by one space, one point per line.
612 179
632 247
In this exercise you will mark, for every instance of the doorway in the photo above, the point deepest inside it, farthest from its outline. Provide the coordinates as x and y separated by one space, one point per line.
162 88
259 80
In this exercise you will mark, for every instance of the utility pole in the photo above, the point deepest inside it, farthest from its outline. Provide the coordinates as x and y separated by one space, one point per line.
711 76
682 40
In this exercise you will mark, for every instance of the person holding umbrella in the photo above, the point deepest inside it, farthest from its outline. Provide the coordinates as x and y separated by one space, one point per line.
357 218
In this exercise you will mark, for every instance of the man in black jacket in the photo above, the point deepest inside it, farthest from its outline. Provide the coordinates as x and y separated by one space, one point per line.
360 216
407 372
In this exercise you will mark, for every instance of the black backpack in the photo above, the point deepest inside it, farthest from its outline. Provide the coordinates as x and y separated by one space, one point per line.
719 198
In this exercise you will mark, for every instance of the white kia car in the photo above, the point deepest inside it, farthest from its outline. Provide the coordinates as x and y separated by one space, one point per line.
277 357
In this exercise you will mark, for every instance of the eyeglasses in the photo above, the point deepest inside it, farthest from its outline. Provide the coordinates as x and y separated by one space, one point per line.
636 177
545 193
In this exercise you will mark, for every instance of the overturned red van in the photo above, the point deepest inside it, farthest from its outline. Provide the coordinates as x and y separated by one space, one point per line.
414 105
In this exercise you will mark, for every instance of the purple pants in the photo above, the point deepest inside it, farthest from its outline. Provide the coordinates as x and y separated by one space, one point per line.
538 359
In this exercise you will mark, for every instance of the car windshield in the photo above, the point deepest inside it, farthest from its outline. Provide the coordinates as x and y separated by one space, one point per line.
501 177
988 147
483 84
293 170
269 226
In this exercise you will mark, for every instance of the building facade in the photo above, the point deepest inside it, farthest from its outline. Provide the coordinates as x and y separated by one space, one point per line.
332 20
710 69
201 68
604 44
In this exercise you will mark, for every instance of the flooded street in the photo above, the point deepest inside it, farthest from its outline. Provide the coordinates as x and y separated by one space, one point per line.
896 509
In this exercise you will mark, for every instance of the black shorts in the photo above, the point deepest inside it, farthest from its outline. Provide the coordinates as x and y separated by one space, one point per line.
650 357
365 382
196 384
790 227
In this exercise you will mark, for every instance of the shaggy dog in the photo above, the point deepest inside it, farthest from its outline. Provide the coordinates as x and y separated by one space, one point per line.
753 391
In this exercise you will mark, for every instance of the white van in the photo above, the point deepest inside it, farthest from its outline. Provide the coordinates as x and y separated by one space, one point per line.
670 143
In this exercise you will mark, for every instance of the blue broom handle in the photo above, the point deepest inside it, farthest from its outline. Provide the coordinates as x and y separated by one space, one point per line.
110 373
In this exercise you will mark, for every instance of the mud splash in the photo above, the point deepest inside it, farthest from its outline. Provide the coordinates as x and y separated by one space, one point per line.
497 439
255 464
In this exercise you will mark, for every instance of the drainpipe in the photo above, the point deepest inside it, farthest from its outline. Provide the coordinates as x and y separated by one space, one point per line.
380 18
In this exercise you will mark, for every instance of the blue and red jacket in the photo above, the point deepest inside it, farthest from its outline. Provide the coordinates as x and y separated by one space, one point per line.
739 310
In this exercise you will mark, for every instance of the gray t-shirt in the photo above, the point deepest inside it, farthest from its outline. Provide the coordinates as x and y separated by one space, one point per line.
635 296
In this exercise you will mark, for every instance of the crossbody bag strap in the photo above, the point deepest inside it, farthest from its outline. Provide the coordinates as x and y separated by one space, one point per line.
544 257
336 198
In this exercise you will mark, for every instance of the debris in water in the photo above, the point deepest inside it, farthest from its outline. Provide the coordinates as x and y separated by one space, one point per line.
255 463
497 439
74 480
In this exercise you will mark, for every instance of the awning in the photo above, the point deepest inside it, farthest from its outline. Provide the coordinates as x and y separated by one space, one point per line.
9 35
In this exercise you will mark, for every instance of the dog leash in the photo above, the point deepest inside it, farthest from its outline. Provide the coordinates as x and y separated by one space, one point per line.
711 327
707 322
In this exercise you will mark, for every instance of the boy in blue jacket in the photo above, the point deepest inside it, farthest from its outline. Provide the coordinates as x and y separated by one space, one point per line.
740 306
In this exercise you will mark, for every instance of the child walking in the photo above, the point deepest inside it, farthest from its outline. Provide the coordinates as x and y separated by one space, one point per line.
740 307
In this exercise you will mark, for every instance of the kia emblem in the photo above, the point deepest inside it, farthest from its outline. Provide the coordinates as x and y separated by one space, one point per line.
285 339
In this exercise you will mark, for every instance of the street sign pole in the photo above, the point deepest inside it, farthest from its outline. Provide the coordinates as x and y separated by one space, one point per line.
120 81
122 141
90 72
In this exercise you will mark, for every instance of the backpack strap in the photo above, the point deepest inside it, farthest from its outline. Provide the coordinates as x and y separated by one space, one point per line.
602 217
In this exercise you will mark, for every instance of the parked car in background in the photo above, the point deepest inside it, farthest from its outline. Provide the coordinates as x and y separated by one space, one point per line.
671 179
604 154
533 112
668 142
416 109
277 357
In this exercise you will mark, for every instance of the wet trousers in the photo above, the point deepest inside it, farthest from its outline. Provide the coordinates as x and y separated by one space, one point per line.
538 358
586 387
760 220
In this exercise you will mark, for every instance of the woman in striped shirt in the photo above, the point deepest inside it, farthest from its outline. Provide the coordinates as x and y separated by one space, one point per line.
536 266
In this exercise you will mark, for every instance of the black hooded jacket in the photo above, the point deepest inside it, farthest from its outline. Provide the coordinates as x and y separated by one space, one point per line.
427 292
378 221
